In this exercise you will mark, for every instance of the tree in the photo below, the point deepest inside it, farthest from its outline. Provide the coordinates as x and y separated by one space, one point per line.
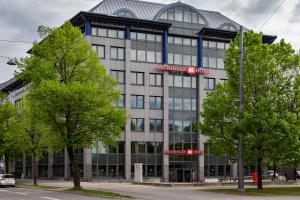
266 117
73 90
8 148
28 127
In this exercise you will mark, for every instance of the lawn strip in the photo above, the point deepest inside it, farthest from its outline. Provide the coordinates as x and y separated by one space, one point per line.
278 191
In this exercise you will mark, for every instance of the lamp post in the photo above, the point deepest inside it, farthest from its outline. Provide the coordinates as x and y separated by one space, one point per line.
241 109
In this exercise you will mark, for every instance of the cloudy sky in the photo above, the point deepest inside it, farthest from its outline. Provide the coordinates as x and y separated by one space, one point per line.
19 20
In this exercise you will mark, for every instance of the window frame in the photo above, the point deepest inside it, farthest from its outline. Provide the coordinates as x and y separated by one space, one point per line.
136 99
117 51
136 74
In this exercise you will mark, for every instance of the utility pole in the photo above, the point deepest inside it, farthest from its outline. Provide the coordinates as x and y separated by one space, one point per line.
241 109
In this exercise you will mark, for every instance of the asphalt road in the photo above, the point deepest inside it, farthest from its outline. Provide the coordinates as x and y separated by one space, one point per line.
32 194
146 192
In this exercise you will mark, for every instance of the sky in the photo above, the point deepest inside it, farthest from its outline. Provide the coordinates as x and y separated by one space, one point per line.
19 20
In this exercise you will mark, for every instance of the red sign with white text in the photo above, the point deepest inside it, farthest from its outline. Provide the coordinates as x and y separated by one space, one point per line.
189 152
189 69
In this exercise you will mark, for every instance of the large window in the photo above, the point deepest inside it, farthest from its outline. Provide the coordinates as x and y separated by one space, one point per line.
146 56
210 83
155 125
182 104
100 49
213 62
178 104
104 32
121 102
150 154
119 75
156 79
155 102
182 81
137 101
137 78
182 41
182 126
146 37
182 59
137 124
215 45
117 53
220 63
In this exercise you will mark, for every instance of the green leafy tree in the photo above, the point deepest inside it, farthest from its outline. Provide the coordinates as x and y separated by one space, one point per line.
28 127
8 147
73 90
266 116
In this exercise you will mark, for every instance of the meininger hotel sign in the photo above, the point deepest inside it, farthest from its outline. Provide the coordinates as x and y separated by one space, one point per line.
188 69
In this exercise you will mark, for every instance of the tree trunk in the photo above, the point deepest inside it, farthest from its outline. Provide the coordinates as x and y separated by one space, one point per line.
34 168
275 170
259 174
6 163
74 168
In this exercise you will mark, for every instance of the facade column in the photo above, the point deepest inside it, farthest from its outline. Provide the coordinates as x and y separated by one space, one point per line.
166 127
50 164
128 107
165 48
234 170
24 165
67 170
87 164
200 50
87 28
201 164
200 89
127 32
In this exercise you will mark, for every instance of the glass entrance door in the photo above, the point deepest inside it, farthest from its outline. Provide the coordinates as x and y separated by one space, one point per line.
183 175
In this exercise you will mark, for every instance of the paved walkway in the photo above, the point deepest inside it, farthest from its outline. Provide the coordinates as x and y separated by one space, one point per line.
164 193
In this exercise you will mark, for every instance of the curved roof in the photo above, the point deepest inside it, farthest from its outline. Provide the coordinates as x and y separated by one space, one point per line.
148 11
117 12
166 7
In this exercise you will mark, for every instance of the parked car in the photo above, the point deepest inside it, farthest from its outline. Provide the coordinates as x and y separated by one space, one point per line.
7 180
298 174
271 173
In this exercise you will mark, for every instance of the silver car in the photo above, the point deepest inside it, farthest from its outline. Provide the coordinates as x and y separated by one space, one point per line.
7 180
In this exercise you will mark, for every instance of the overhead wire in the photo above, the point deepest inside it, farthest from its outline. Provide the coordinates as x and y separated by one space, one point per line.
273 13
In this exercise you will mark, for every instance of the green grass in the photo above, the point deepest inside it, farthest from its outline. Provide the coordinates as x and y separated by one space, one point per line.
48 187
100 193
279 191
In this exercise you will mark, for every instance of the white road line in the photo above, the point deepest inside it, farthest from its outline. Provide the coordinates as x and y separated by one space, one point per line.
49 198
3 190
21 193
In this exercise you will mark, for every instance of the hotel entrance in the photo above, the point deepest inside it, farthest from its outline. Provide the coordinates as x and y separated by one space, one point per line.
184 175
185 172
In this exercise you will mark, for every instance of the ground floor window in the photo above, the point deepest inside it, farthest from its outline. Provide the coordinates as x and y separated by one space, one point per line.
149 170
217 170
109 171
58 170
43 170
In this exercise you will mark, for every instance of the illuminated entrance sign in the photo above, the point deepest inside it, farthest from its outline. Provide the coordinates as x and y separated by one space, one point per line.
184 152
189 69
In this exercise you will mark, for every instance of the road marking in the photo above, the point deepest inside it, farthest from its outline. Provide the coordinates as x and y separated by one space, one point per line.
48 198
21 193
3 190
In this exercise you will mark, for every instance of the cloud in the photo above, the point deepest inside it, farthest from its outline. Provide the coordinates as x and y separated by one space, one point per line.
295 17
19 19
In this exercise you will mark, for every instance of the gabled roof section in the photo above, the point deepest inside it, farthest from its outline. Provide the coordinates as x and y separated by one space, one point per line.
148 11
